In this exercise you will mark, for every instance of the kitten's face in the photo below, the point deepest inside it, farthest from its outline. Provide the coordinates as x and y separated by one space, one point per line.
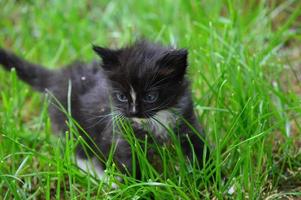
144 78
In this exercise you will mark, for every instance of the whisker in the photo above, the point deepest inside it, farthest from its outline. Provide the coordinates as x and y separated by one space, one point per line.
112 114
98 116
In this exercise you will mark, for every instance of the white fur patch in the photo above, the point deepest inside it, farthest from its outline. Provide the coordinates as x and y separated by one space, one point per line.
90 166
93 167
139 121
164 119
133 96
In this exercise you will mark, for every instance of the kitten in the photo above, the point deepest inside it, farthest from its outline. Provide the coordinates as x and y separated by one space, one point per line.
144 83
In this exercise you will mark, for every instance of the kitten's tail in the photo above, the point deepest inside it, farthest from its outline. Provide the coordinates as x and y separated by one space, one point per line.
35 75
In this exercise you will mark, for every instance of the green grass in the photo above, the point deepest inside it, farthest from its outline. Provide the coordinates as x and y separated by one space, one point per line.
244 58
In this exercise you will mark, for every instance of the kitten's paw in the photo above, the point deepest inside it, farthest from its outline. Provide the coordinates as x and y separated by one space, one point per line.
92 167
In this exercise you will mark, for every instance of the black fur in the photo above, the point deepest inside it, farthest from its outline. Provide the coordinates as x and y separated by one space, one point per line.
152 71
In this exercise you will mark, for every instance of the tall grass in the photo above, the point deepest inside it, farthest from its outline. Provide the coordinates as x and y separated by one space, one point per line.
244 58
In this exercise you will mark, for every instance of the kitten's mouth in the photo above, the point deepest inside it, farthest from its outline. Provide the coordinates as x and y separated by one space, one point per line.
139 120
140 116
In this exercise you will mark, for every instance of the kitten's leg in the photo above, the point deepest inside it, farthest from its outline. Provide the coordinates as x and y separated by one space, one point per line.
124 159
191 143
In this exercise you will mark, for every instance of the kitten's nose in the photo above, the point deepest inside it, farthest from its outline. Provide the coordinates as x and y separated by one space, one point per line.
133 110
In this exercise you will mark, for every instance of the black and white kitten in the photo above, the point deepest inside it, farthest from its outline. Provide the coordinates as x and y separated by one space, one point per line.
144 83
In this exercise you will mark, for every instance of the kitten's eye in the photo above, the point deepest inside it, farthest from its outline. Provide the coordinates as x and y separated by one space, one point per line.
121 97
151 97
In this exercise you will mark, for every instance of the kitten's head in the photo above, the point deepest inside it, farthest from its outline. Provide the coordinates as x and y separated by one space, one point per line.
145 78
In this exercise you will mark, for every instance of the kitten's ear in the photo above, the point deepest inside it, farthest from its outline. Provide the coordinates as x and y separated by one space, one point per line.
109 57
173 63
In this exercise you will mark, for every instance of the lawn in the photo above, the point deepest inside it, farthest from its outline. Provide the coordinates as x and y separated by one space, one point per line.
246 82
